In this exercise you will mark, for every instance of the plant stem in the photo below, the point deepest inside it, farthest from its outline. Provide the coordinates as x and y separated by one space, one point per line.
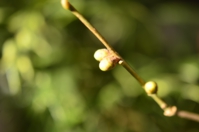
88 25
132 72
159 101
68 6
188 115
168 111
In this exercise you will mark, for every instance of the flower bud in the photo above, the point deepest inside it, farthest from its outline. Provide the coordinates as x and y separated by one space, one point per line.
100 54
65 4
106 64
151 87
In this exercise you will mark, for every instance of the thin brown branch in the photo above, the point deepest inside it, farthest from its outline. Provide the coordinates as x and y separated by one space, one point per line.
68 6
151 91
132 72
188 115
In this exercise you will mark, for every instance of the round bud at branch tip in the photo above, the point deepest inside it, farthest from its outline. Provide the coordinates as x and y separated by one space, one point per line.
151 87
65 4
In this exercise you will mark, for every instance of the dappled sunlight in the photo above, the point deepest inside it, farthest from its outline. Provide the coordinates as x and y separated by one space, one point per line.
50 82
189 72
191 92
129 86
107 98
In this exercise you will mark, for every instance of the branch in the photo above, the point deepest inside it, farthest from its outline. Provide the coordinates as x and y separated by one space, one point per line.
110 58
188 115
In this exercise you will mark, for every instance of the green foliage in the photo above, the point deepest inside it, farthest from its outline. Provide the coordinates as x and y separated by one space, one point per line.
50 82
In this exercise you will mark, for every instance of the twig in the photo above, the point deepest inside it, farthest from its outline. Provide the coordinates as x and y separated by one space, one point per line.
188 115
68 6
132 72
150 87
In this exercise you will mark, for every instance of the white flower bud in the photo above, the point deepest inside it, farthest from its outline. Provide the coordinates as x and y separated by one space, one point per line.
106 64
65 4
100 54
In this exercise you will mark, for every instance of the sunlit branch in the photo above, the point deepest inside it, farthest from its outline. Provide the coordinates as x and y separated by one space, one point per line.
150 87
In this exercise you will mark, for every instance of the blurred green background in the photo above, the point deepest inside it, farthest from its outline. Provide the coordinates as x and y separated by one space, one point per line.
50 82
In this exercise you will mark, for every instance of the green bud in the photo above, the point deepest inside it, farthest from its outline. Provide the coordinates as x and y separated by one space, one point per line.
151 87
